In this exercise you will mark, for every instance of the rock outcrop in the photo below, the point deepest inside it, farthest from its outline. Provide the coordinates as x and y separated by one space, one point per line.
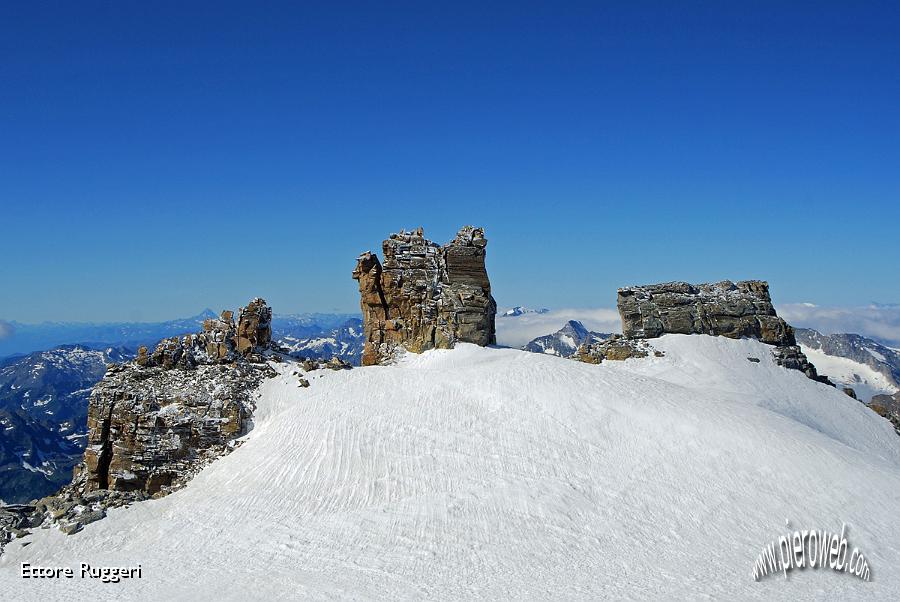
154 422
150 428
729 309
616 348
220 342
425 296
889 407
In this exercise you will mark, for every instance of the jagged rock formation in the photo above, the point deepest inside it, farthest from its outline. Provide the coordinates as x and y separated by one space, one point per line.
729 309
220 342
566 341
425 296
154 422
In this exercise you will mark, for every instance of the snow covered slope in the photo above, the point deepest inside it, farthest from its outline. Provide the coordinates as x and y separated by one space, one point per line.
845 372
503 474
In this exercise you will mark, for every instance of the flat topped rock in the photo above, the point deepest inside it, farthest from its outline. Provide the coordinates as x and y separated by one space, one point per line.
735 310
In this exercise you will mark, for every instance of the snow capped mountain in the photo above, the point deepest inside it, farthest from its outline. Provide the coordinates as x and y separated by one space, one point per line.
518 310
565 341
31 337
346 342
43 412
851 360
306 325
495 473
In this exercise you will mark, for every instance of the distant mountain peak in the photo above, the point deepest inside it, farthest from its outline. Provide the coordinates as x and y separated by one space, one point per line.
519 310
565 341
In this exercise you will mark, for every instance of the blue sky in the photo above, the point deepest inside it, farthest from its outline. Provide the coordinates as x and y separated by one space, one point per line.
159 158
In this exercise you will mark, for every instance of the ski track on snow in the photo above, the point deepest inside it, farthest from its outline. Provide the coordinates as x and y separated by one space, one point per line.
497 473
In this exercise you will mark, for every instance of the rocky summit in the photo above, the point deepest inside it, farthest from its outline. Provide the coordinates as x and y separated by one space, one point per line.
149 422
729 309
424 295
155 422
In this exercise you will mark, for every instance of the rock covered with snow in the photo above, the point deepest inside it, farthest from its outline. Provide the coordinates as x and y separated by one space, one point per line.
157 421
730 309
221 341
616 348
425 296
151 428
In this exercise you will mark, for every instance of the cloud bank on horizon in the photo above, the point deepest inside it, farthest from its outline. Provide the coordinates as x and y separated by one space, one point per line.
6 329
880 322
876 321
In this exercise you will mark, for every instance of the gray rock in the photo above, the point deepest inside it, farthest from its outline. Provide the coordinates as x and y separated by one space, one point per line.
730 309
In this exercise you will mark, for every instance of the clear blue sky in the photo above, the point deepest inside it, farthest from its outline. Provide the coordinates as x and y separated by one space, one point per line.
157 158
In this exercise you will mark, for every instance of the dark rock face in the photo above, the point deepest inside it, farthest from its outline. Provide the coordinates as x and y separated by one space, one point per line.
254 329
425 296
728 309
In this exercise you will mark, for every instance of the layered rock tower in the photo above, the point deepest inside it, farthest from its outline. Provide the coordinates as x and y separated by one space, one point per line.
425 296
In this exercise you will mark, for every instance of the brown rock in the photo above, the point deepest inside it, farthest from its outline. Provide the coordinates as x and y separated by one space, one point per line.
425 296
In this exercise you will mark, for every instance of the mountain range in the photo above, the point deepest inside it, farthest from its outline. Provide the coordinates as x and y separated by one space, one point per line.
852 360
43 413
26 338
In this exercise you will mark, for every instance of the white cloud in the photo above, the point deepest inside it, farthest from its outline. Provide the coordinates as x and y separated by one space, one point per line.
876 321
880 322
517 331
6 330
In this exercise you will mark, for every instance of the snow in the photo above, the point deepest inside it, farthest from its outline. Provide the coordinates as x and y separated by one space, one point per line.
866 381
878 356
503 474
